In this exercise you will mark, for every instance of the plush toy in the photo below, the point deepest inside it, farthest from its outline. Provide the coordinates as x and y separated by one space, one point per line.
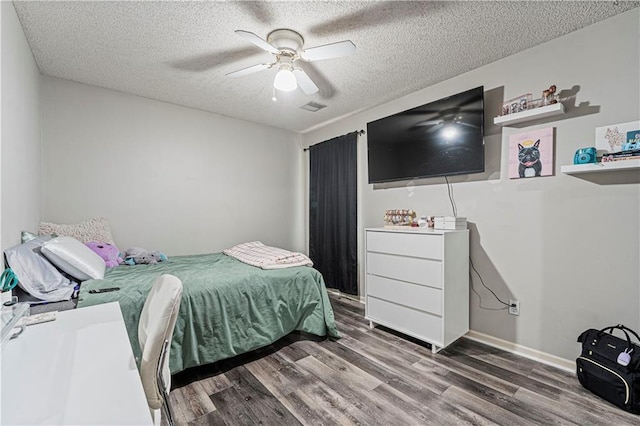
108 252
549 96
138 256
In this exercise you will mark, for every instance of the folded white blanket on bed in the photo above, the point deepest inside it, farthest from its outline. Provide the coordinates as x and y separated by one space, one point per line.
266 257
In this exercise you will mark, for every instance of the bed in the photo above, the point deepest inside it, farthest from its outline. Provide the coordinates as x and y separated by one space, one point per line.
228 307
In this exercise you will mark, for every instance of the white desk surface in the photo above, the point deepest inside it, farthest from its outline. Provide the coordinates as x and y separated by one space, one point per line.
78 369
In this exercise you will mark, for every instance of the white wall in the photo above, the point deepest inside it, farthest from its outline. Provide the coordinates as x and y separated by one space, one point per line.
20 196
566 247
166 177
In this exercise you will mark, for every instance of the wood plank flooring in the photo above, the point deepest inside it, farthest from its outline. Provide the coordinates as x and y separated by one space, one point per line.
379 377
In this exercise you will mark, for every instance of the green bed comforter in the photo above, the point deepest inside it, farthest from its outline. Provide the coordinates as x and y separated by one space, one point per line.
227 307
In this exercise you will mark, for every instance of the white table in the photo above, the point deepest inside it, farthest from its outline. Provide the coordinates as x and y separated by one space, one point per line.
78 369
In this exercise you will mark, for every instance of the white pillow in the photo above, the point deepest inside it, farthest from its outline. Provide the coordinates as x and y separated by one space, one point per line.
74 258
37 275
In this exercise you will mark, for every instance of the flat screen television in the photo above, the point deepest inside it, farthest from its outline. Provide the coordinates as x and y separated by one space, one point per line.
441 138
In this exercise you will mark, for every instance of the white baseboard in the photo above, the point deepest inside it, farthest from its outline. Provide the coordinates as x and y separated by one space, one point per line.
534 354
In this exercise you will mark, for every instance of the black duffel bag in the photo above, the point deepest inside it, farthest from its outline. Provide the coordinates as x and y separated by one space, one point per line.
610 366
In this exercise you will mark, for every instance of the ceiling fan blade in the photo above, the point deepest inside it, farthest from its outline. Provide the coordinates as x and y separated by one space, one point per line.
427 123
249 70
329 51
304 81
468 125
262 44
326 89
434 128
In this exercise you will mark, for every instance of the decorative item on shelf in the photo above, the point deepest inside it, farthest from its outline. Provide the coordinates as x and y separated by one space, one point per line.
526 102
633 154
614 137
585 156
518 104
400 217
633 141
549 96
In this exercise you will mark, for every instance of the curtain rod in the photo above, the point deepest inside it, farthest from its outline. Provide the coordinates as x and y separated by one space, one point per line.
359 132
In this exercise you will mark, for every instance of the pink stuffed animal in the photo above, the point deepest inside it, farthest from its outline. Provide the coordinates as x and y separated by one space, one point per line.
108 252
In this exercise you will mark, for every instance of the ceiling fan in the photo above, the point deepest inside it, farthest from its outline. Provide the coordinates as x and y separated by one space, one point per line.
287 48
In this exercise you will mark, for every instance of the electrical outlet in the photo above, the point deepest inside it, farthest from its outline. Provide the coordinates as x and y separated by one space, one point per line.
514 307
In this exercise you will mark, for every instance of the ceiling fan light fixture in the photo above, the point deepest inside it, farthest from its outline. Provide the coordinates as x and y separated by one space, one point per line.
449 132
285 80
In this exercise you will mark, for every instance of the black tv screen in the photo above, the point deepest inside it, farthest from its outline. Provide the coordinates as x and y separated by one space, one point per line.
441 138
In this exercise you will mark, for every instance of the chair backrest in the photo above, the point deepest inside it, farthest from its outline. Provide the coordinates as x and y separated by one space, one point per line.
157 321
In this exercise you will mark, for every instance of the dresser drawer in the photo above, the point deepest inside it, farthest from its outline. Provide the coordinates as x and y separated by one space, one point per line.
413 295
405 320
414 245
420 271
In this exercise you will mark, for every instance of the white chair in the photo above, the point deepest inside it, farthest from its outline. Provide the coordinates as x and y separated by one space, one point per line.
155 331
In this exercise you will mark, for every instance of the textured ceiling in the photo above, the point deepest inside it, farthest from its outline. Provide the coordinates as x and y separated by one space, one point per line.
179 52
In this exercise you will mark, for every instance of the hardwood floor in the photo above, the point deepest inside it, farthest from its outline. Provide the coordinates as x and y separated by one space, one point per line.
378 377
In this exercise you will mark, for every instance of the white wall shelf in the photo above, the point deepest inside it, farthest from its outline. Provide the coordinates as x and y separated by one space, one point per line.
529 115
574 169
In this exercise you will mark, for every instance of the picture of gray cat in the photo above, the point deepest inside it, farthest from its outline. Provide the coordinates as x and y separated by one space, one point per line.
529 159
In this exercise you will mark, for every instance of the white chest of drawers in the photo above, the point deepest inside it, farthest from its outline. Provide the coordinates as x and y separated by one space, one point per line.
417 282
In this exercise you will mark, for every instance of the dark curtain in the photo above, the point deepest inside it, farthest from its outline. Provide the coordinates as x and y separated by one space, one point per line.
333 211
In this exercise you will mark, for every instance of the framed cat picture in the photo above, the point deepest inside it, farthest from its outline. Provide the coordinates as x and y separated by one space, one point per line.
531 154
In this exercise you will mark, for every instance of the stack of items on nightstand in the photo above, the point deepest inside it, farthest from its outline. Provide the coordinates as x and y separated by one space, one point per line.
450 222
